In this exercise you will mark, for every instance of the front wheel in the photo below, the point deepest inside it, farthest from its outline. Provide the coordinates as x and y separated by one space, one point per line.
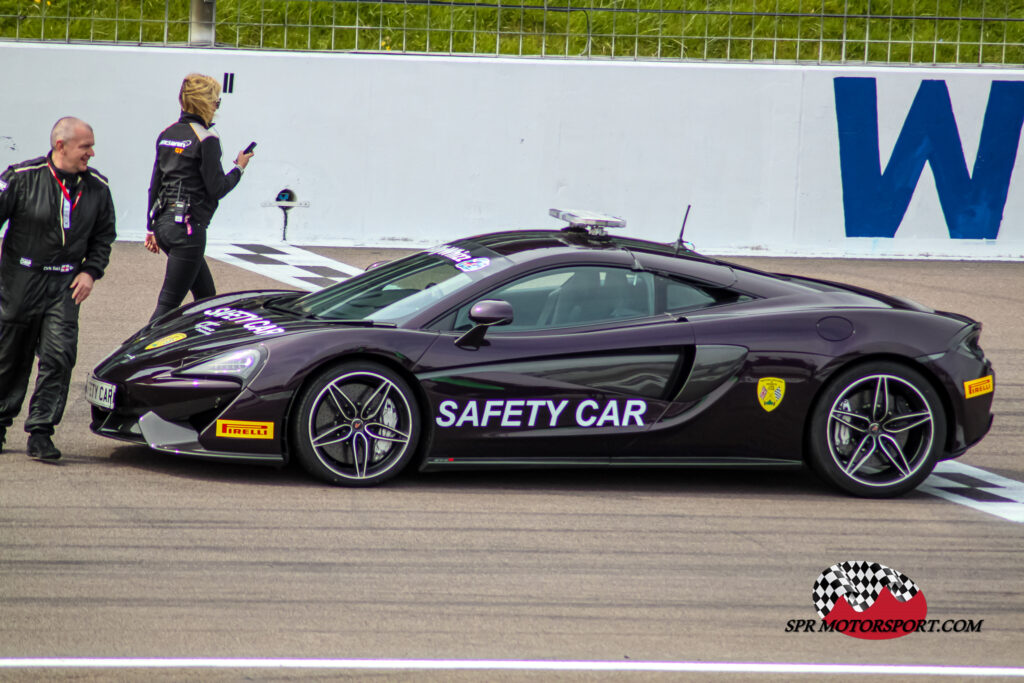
877 431
357 424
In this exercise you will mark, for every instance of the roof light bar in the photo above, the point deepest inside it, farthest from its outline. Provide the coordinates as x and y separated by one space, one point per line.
591 221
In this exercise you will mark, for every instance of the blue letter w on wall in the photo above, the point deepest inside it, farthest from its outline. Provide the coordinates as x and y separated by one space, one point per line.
875 202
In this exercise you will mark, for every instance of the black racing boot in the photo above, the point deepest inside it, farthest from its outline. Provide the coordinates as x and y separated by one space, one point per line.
3 435
41 447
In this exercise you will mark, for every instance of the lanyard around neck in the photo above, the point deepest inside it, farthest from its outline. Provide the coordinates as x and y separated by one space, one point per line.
67 206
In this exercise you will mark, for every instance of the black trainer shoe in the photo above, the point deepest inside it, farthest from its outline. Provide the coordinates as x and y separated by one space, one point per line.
41 447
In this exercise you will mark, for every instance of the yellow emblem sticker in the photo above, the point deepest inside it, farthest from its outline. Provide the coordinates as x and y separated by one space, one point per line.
164 341
977 387
242 429
770 391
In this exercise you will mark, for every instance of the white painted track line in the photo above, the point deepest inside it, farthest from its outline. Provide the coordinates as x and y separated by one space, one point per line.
512 665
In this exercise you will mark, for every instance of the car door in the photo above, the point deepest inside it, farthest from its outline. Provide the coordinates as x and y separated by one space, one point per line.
586 364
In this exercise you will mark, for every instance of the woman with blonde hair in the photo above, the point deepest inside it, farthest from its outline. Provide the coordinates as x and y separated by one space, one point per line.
187 184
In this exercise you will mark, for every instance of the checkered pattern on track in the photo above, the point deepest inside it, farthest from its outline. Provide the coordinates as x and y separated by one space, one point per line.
291 265
977 488
860 583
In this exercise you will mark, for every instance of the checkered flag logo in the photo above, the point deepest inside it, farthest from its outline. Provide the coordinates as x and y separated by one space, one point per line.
860 583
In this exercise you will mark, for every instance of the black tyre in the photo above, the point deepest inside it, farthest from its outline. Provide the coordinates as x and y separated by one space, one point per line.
877 430
357 424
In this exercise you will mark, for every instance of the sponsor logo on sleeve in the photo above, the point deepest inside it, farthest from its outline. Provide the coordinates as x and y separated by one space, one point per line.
770 391
164 341
244 429
541 413
3 185
977 387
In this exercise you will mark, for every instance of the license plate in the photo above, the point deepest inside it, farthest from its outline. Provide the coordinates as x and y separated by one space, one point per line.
100 394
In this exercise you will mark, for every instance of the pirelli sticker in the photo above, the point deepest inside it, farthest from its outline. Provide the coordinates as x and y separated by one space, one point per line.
977 387
242 429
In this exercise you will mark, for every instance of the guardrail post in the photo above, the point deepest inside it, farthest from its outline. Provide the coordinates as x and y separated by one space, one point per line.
202 15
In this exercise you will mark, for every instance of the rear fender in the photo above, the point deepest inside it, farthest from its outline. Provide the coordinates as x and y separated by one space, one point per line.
830 371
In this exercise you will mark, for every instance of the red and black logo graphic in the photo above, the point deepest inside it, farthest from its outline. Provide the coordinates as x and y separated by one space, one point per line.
869 600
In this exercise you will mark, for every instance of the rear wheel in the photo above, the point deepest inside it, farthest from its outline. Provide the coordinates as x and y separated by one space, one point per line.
877 431
357 425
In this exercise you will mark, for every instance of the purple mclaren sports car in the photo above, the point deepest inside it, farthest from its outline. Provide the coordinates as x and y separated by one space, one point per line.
557 348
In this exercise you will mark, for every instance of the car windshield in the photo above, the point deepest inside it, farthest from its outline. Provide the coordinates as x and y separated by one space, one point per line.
394 292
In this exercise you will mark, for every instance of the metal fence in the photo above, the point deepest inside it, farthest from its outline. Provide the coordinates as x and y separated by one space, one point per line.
968 32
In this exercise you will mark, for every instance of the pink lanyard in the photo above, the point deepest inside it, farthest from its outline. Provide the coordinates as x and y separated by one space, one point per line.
67 206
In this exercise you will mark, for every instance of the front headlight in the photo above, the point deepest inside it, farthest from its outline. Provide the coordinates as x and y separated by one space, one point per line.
241 364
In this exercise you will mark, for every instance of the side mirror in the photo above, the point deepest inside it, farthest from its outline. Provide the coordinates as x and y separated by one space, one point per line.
491 312
485 314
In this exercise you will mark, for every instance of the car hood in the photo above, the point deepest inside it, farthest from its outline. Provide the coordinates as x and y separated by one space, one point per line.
212 325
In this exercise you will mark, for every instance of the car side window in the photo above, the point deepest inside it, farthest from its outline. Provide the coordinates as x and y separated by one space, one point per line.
567 297
680 296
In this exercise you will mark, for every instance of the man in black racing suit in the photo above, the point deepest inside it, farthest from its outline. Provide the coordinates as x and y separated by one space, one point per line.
56 246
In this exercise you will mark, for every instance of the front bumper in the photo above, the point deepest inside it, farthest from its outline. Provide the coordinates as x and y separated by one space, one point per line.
204 418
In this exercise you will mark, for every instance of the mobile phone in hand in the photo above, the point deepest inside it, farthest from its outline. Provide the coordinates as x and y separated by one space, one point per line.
250 148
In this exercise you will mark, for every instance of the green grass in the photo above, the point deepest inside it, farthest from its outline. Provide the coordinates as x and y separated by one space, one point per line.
852 31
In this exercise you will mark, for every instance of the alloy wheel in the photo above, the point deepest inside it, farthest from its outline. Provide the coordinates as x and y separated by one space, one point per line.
880 430
360 425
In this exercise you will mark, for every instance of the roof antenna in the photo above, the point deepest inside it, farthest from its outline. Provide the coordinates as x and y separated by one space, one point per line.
679 242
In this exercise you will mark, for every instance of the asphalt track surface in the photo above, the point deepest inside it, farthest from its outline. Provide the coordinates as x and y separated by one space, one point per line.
122 552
